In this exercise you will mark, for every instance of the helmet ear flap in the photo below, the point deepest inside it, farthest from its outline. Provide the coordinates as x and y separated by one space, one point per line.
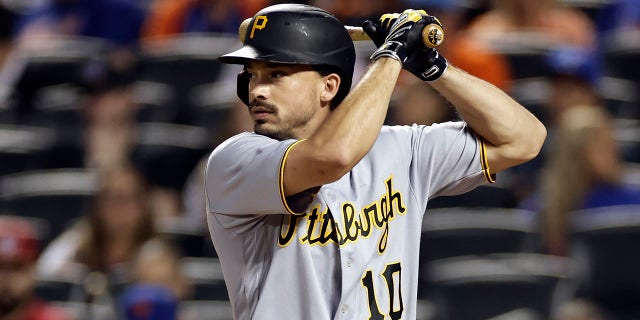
242 88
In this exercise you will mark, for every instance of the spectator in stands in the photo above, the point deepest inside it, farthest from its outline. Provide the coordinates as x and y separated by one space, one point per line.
583 170
104 241
574 74
158 263
157 285
172 17
117 21
552 22
110 121
19 247
573 77
109 109
148 302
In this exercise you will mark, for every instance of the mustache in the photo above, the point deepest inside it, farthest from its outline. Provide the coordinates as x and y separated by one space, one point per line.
263 105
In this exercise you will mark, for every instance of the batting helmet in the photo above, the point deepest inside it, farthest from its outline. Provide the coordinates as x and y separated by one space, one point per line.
296 34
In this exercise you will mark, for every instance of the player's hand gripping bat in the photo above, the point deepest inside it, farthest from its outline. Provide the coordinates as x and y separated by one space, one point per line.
432 34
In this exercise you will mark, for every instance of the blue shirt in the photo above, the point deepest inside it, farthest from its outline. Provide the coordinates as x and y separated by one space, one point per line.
602 195
117 21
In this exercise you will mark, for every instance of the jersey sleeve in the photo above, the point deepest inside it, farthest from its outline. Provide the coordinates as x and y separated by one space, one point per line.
451 159
244 176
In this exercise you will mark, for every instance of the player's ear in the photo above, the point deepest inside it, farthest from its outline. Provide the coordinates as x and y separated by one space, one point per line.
331 84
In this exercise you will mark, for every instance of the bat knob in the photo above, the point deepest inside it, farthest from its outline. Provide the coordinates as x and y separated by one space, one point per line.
432 35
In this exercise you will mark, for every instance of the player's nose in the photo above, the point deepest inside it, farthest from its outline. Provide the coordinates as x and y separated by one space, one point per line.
259 91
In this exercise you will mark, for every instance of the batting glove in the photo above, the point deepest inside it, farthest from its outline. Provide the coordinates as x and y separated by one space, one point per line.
395 34
425 63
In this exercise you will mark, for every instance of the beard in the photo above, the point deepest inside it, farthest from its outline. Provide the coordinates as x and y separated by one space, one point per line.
284 128
262 126
272 133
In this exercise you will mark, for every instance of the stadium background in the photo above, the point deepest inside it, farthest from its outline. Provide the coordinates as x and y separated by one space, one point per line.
88 88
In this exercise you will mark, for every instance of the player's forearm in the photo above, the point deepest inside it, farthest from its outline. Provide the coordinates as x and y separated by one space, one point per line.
516 134
350 131
354 126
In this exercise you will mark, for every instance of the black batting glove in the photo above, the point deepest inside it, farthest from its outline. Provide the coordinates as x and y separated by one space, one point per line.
426 63
394 34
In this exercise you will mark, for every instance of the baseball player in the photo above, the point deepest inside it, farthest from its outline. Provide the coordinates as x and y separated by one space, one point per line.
317 214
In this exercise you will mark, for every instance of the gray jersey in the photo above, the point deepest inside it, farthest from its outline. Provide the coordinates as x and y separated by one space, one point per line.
352 253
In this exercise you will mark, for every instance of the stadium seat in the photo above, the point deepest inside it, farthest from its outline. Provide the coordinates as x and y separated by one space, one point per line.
155 101
7 108
167 153
191 241
450 232
206 310
622 53
479 288
22 147
620 96
55 289
604 243
83 310
37 147
182 63
627 136
58 196
57 106
525 52
488 196
210 103
50 63
533 93
205 274
455 232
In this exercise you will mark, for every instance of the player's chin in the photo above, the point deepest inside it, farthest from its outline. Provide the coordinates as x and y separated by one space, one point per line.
271 131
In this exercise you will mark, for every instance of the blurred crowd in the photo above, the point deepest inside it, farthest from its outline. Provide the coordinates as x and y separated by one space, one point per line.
108 109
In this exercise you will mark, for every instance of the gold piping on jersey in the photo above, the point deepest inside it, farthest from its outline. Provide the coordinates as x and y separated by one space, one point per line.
491 178
281 178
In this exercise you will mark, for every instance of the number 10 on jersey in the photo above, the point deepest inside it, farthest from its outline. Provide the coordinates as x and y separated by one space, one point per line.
392 278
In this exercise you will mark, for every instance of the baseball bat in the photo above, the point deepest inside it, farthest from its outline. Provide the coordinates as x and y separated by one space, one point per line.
432 34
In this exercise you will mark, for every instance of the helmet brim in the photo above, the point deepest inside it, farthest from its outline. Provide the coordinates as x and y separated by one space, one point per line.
247 52
240 56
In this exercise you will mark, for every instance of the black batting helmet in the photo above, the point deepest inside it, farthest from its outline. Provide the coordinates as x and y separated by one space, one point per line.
296 34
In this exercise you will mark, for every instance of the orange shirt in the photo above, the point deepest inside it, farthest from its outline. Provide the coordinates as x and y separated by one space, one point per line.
166 18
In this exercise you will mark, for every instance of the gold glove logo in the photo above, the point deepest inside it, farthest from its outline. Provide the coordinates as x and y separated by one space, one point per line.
356 224
258 24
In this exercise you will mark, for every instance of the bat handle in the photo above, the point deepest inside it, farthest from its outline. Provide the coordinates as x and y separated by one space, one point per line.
357 34
432 35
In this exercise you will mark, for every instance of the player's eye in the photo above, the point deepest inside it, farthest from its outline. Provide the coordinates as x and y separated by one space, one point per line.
278 74
249 73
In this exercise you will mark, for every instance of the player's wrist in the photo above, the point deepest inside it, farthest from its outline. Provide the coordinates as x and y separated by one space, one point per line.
391 49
